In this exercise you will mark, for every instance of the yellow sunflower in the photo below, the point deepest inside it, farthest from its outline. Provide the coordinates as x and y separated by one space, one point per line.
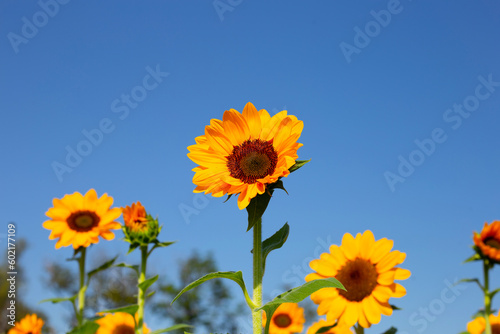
245 152
135 217
478 325
79 220
118 323
489 240
367 270
339 329
30 324
287 319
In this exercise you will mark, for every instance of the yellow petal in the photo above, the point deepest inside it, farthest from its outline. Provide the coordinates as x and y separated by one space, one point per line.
380 249
349 246
253 120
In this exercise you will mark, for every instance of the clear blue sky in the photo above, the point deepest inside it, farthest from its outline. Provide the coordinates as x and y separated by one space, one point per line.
370 80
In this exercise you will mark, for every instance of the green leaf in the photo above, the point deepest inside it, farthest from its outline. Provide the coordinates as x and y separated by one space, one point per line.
89 327
298 164
493 293
174 327
274 242
164 243
325 329
232 275
59 300
298 294
391 330
257 207
147 283
134 267
475 257
102 267
471 280
130 309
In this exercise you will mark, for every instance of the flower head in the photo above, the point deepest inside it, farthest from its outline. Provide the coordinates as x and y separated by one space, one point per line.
367 269
338 329
140 228
79 220
244 153
118 323
478 325
287 319
488 241
30 324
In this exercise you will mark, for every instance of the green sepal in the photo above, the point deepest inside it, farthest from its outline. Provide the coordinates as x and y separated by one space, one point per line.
228 197
235 276
391 330
277 240
257 207
147 283
159 244
174 327
296 295
59 300
134 267
325 329
298 164
142 238
395 308
88 327
475 257
130 309
278 185
102 267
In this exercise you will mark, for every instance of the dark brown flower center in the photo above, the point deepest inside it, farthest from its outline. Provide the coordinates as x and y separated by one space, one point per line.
83 221
252 160
359 277
282 320
492 242
123 329
495 329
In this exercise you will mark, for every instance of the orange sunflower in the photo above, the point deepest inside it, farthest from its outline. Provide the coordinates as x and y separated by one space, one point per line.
245 152
287 319
489 240
339 329
79 220
135 217
478 325
30 324
118 323
367 269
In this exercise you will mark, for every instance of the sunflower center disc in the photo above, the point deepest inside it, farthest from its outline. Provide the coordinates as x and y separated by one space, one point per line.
252 160
123 329
82 220
492 242
282 320
359 277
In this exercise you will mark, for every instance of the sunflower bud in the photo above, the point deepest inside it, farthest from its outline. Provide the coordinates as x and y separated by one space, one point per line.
140 228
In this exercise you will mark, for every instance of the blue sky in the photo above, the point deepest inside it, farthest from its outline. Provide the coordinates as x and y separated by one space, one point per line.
400 102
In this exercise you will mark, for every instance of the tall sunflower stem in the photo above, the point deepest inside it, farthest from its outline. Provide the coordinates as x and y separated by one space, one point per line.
83 287
258 273
487 296
358 329
141 294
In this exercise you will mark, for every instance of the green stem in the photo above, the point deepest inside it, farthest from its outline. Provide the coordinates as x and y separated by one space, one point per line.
83 287
257 276
487 296
141 295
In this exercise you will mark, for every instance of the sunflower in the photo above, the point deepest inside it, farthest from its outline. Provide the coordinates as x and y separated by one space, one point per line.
478 325
287 319
118 323
489 240
367 270
79 220
339 329
135 217
245 152
30 324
